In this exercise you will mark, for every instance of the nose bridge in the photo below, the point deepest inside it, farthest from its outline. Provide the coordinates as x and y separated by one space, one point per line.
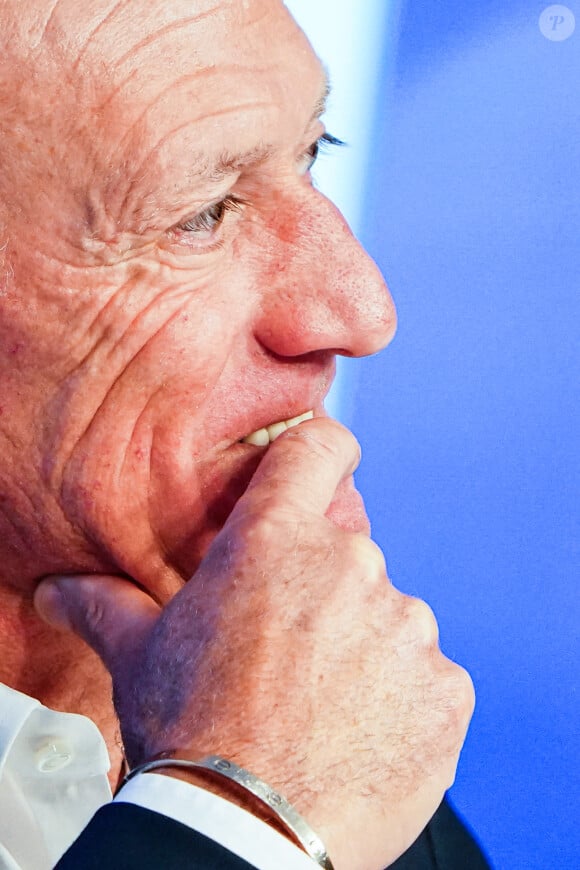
328 293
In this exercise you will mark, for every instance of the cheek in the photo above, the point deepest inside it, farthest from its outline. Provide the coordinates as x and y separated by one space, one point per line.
164 387
141 440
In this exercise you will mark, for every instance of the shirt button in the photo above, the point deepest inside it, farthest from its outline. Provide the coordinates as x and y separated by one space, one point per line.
53 756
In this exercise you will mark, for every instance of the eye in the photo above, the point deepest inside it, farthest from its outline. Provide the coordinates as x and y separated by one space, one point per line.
311 155
204 227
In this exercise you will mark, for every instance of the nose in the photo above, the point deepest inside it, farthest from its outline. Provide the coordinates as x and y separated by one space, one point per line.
323 291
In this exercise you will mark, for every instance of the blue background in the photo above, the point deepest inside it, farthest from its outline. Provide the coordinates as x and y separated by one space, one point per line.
470 422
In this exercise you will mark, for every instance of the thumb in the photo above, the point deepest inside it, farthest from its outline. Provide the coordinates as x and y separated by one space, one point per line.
110 613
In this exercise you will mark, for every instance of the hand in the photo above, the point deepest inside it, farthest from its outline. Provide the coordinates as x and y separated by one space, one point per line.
290 652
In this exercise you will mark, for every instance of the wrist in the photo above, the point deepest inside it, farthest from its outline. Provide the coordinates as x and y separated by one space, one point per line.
225 779
227 790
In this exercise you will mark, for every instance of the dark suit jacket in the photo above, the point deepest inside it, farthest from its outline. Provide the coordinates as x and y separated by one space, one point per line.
126 837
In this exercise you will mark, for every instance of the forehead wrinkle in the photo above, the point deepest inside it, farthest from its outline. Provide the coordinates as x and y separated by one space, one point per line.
139 120
175 26
48 23
220 113
96 30
112 96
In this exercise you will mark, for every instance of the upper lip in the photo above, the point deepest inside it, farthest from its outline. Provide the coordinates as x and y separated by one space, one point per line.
291 401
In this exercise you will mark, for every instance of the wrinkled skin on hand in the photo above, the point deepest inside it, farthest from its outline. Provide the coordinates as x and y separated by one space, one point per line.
291 653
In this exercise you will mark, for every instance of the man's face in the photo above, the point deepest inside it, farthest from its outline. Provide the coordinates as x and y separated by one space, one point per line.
174 282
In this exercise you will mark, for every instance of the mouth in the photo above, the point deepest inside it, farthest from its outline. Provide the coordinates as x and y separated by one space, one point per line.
222 478
265 436
347 508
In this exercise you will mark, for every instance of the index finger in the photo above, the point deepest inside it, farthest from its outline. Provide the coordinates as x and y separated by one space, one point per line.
303 467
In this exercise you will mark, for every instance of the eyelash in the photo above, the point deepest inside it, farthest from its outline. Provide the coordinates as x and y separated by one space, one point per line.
326 141
213 216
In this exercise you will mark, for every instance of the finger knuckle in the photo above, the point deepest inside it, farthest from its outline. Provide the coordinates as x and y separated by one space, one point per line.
367 557
457 699
262 522
465 692
94 615
421 620
327 439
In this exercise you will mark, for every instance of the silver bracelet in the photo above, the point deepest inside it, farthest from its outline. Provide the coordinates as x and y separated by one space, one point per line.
289 818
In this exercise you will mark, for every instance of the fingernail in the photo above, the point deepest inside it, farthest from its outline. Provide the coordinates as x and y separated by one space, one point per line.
50 602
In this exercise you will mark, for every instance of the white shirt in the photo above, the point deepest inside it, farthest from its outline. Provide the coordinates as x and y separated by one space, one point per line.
53 778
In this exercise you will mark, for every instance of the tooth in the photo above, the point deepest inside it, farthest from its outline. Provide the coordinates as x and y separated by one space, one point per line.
259 438
276 429
300 419
265 436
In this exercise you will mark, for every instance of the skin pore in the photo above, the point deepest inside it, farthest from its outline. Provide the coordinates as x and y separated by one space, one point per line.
172 282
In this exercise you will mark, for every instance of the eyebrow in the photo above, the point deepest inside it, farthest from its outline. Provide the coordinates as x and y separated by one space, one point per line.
228 163
213 170
322 102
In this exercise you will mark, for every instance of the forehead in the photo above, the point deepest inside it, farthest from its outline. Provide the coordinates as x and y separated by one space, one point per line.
133 60
123 85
